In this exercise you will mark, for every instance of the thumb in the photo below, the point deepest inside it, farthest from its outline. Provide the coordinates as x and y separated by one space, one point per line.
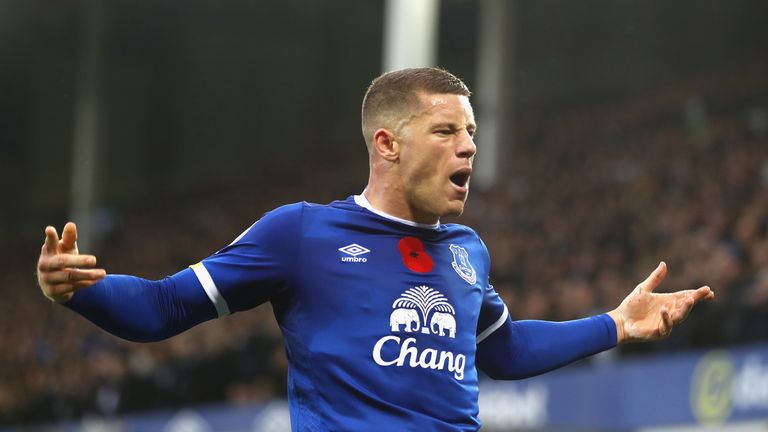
69 238
655 278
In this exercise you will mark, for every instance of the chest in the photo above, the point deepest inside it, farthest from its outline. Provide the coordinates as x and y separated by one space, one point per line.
403 282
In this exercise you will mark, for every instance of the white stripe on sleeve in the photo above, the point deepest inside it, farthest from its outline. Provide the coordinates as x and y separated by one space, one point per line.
242 234
210 289
493 327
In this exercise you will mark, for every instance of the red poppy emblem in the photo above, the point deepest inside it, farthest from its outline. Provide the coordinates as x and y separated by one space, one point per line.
414 255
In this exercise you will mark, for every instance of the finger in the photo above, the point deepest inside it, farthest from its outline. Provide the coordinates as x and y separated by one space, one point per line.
69 237
61 261
654 279
51 240
703 293
66 288
683 310
59 291
62 289
73 275
84 284
666 323
691 298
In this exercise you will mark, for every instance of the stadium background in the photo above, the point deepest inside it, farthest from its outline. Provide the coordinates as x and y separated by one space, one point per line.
631 132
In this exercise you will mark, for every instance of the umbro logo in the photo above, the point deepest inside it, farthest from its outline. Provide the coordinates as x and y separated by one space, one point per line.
354 250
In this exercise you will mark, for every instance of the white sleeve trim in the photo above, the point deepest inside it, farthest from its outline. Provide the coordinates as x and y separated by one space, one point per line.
237 239
493 327
219 302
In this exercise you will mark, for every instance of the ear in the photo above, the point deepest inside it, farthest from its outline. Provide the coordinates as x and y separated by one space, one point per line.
385 145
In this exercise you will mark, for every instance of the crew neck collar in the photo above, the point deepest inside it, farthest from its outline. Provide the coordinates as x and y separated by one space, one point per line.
362 201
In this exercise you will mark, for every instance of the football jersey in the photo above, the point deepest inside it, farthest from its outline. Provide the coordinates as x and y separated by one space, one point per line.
381 317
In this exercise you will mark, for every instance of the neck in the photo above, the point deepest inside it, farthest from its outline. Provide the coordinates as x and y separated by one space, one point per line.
389 198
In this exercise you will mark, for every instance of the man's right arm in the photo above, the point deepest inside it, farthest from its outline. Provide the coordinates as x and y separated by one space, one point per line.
132 308
256 267
142 310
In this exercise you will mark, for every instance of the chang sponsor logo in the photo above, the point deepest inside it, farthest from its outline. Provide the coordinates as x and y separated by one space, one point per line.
420 310
428 358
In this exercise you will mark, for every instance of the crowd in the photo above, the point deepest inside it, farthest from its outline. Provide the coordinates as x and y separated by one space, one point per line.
595 198
586 204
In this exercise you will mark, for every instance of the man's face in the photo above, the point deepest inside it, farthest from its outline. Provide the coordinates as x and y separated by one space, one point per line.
436 153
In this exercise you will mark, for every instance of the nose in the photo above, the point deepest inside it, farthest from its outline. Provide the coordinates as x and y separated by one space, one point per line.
466 147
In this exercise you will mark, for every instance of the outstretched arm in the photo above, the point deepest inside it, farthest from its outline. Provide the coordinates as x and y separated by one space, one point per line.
135 309
142 310
521 349
255 268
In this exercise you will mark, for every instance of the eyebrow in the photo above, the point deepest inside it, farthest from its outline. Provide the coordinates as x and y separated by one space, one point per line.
453 126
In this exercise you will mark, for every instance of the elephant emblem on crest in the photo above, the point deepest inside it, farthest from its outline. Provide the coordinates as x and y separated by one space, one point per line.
408 317
443 321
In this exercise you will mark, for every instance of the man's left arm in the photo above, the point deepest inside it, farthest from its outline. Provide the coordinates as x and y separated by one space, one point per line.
521 349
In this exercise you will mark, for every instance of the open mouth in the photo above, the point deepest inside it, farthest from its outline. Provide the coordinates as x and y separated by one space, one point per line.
461 177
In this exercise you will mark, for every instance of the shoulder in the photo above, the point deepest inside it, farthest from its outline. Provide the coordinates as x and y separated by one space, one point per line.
461 229
464 231
293 209
298 208
288 213
291 216
281 228
279 222
468 237
311 213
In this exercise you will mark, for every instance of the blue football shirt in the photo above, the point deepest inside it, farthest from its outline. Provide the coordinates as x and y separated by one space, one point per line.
381 317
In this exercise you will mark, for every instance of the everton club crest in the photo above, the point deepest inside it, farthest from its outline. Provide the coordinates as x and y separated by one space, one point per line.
461 264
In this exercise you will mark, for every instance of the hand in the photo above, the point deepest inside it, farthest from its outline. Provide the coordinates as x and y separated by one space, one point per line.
646 316
61 270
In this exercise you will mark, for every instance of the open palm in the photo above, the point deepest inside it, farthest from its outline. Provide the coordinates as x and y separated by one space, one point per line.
645 315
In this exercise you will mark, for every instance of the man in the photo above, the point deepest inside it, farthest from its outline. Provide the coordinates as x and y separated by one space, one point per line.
386 313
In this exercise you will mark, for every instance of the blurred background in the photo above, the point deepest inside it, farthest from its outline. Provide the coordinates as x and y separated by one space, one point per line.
611 135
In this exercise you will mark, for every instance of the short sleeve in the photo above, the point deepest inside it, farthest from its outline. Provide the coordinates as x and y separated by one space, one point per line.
257 266
493 311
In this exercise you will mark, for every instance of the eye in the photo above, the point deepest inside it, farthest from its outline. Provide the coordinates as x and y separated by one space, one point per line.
444 132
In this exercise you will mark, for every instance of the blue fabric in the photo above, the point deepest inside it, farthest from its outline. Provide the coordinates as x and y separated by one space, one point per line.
261 264
522 349
380 318
361 355
141 310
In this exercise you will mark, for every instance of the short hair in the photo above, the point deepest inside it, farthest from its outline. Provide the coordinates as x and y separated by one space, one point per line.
396 94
